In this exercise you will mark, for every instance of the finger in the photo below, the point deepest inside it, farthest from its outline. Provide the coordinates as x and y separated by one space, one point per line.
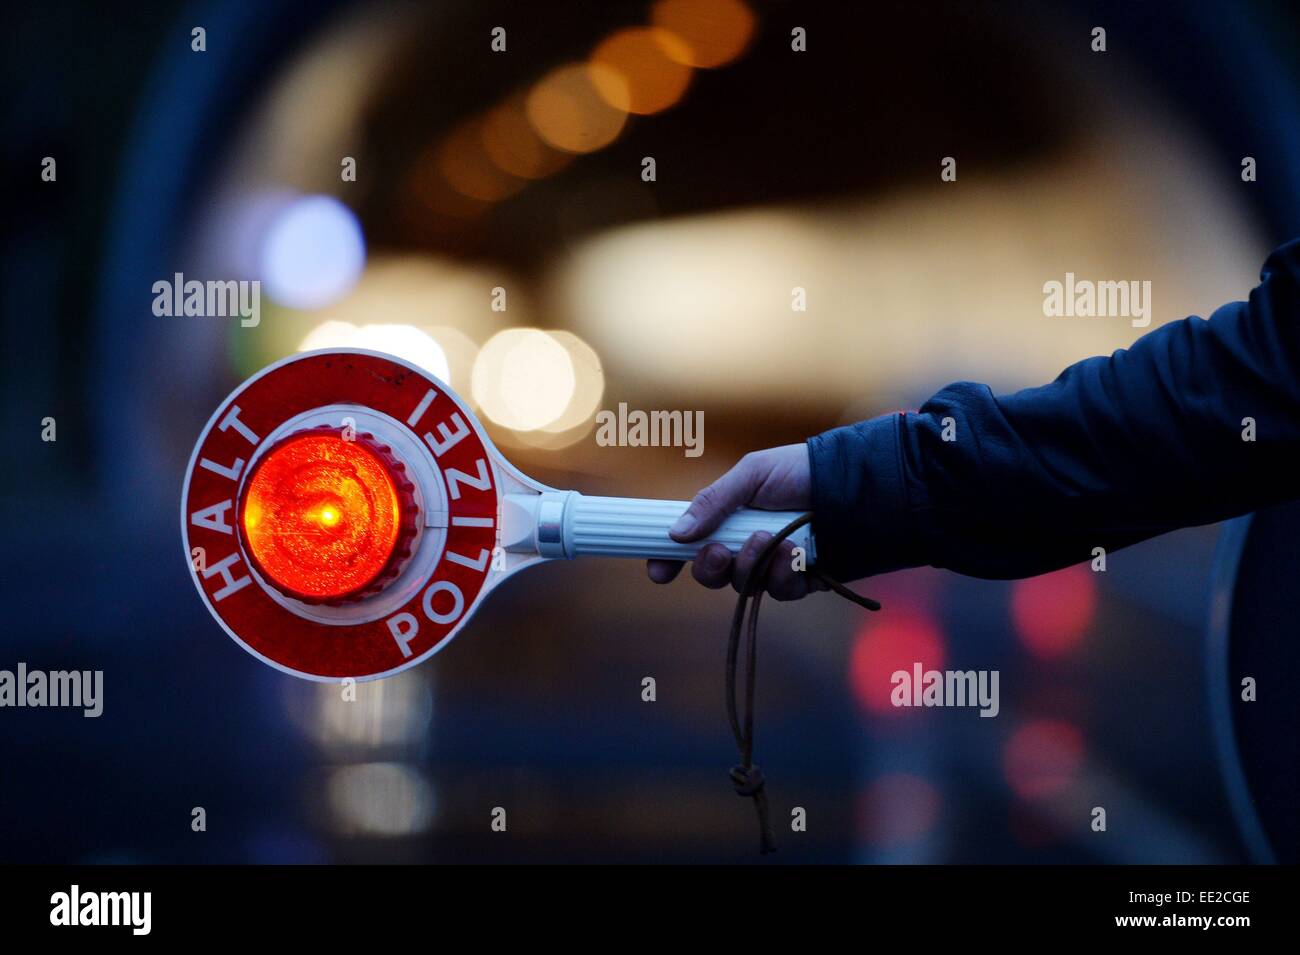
783 581
712 566
747 558
712 505
663 571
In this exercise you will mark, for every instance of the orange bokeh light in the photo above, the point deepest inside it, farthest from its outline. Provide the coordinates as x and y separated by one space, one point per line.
570 107
647 63
466 165
321 516
514 146
710 32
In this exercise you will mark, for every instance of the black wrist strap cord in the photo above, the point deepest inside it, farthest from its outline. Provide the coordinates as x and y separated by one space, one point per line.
746 776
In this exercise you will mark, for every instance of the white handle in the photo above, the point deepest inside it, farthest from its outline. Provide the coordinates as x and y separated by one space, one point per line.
569 524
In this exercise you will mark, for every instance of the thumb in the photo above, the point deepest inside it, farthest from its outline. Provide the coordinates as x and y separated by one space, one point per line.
712 505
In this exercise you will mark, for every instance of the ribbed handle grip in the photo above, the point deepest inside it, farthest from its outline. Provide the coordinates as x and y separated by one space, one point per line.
631 527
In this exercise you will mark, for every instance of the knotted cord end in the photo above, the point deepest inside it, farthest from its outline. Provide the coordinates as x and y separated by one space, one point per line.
749 780
746 777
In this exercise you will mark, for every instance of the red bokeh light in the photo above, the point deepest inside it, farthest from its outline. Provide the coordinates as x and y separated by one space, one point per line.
1043 757
891 643
1052 613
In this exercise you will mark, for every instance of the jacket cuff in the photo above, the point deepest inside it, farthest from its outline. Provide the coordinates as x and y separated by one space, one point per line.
862 519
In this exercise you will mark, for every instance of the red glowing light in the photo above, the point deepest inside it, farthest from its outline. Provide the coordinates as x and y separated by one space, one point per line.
889 644
322 517
1053 612
1042 758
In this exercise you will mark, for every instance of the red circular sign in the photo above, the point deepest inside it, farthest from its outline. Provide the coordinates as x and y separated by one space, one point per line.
267 627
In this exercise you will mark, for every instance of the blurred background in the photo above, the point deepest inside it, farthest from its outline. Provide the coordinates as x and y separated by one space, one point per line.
514 178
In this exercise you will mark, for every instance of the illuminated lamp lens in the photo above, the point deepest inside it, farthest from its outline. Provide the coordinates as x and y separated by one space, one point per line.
321 516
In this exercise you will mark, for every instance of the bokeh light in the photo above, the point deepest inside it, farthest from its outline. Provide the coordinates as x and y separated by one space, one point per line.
710 33
392 712
640 75
888 644
898 808
589 382
579 417
405 341
435 203
467 167
1043 757
379 799
1052 613
313 252
570 112
523 379
514 146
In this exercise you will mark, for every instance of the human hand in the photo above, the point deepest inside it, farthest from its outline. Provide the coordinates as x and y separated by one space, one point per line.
775 479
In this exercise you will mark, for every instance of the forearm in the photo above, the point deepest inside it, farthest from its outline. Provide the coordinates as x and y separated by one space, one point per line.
1116 450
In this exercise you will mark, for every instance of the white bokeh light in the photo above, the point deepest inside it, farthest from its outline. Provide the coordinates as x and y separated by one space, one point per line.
523 379
404 341
312 253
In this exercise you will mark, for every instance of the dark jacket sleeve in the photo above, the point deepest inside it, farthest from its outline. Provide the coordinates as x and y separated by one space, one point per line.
1114 451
